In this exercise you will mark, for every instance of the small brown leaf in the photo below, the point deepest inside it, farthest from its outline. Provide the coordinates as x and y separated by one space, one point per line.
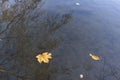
94 57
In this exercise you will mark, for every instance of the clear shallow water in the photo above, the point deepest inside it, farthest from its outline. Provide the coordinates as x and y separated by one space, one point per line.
68 31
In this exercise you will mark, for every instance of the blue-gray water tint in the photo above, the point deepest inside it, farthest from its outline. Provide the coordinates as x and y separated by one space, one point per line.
69 31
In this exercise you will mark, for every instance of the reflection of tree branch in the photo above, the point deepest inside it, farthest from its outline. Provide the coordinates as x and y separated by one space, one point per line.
7 27
13 74
19 16
112 71
65 19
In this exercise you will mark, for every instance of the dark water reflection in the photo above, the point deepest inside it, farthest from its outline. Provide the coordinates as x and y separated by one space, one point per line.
69 32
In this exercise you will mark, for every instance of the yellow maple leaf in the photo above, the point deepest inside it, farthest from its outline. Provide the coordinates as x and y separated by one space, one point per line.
44 57
94 57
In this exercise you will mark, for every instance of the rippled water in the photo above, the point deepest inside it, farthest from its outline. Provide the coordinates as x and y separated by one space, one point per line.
69 31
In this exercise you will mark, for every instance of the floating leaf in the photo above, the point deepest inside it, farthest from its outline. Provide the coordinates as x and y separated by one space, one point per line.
94 57
44 57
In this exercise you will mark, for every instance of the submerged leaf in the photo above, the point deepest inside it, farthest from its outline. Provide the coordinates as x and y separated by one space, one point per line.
44 57
94 57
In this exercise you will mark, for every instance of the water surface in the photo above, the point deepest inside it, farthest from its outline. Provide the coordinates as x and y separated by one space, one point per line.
68 31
